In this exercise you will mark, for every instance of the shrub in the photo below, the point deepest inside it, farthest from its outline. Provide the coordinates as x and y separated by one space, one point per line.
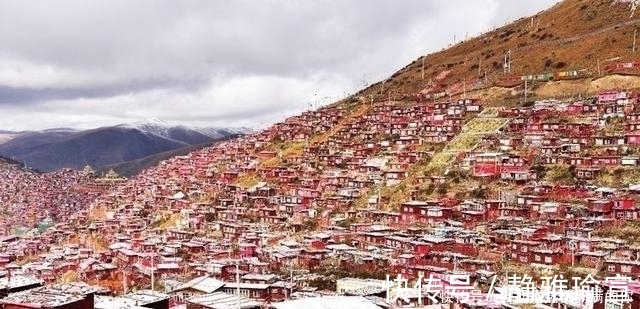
443 188
561 65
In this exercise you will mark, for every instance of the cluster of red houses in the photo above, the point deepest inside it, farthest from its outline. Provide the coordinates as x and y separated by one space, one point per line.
29 198
304 194
538 134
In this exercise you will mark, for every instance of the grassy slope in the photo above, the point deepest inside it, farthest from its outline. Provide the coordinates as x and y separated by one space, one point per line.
572 35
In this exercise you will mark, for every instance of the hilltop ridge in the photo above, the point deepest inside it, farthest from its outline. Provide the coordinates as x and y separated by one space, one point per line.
573 35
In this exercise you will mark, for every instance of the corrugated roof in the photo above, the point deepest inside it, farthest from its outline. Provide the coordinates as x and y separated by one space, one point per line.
204 284
329 302
221 300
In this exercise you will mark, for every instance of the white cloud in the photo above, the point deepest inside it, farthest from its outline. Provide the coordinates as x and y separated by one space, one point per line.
86 64
23 74
249 100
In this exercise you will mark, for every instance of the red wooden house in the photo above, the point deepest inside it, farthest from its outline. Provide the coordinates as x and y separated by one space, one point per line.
425 212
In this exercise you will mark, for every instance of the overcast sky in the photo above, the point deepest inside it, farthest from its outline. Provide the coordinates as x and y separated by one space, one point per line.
85 64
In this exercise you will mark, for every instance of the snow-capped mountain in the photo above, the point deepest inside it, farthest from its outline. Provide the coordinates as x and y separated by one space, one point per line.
53 149
217 132
165 129
153 126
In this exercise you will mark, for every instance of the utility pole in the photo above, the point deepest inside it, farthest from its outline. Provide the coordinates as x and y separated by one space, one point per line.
423 67
124 285
525 90
315 100
464 88
507 62
152 276
572 247
635 31
531 27
290 280
238 283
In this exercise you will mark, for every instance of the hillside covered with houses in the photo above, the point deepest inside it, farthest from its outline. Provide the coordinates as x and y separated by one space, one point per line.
364 190
318 209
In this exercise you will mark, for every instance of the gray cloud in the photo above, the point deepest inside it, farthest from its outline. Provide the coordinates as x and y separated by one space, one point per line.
26 96
88 63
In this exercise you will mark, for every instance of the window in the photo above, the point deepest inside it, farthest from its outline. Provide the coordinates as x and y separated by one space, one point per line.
609 305
538 258
625 268
611 268
547 259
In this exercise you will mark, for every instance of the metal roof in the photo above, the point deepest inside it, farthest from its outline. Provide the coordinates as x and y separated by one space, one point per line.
329 302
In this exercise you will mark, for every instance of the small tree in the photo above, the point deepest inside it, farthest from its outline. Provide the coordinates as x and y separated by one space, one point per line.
344 223
443 188
479 193
310 224
540 170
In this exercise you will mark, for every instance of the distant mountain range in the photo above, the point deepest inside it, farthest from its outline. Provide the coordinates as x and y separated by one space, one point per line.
56 148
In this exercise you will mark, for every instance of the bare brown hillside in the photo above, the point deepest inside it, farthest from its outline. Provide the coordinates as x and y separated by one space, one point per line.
572 35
